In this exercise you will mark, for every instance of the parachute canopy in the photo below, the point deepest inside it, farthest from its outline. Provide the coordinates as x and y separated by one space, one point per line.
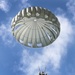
35 27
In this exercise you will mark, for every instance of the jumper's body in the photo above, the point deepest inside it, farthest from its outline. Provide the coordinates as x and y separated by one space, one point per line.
42 73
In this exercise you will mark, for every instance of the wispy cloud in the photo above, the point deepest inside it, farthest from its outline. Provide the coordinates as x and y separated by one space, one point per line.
25 3
51 55
71 7
4 5
5 33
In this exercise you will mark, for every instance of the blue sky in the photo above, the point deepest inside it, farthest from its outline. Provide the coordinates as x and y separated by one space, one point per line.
58 58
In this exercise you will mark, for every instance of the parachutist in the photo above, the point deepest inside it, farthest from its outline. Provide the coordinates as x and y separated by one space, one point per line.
42 73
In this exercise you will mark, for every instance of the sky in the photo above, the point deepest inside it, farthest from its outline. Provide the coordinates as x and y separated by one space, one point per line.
55 59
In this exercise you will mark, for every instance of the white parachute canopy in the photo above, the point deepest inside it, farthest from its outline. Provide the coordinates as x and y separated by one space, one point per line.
35 27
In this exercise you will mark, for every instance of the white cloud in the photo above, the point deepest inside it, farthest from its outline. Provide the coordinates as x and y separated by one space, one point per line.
50 56
5 33
71 7
4 5
60 11
25 3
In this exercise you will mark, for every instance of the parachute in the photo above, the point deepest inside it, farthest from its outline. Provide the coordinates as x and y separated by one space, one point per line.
35 27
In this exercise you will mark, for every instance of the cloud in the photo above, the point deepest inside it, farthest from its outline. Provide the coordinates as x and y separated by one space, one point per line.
60 11
5 33
4 5
71 7
50 56
25 3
